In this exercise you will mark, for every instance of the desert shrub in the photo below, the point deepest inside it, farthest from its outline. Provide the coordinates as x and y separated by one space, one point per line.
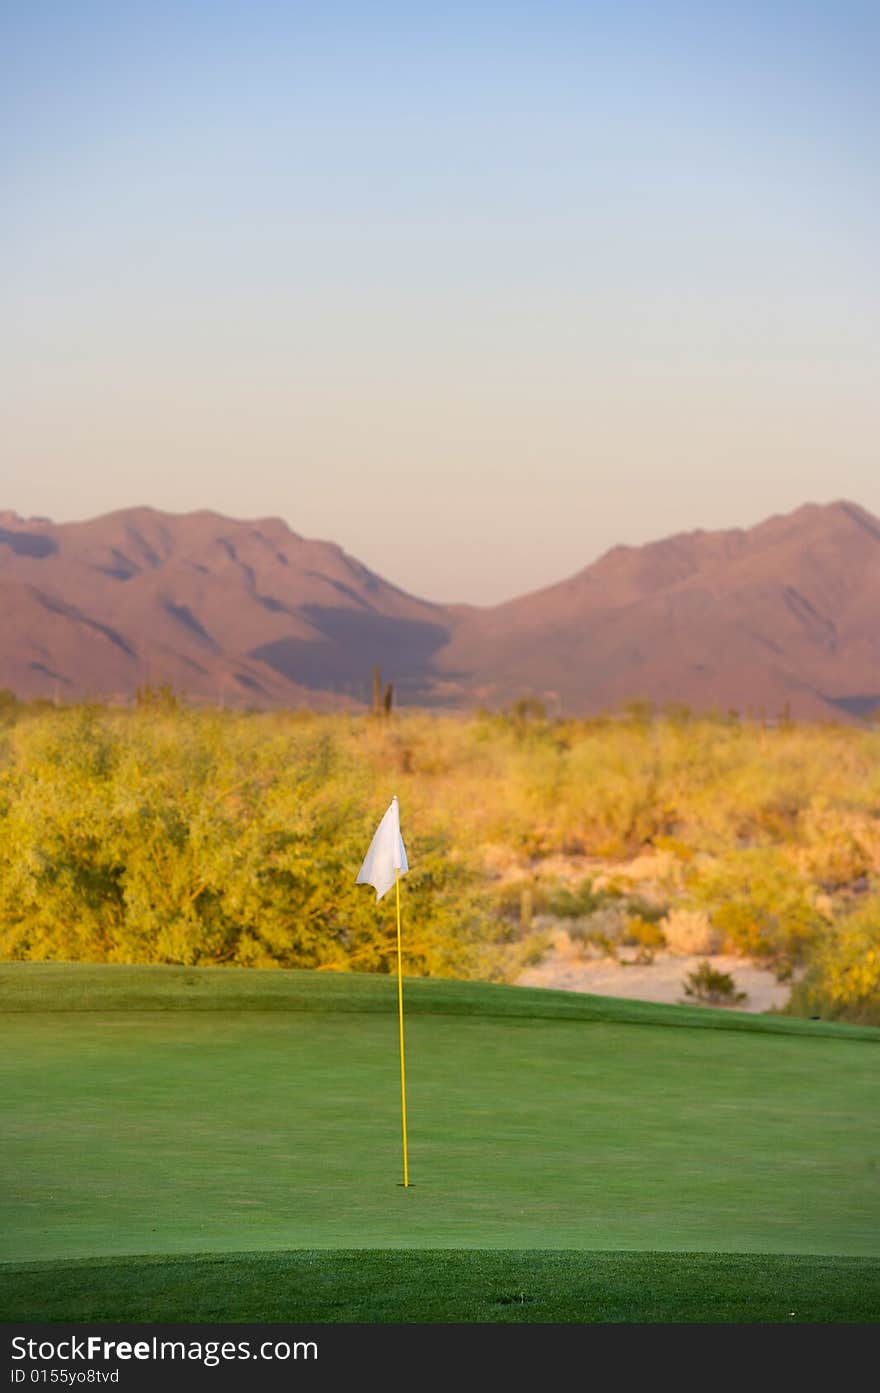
565 903
707 984
602 931
689 931
9 705
161 698
645 935
646 910
838 845
842 979
675 846
516 900
761 904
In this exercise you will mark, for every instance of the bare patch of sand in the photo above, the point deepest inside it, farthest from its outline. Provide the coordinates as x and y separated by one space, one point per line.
662 980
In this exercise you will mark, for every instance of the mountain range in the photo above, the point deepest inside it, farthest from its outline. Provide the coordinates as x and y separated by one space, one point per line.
783 614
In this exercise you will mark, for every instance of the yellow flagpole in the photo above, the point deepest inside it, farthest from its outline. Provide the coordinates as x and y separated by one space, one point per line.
400 1015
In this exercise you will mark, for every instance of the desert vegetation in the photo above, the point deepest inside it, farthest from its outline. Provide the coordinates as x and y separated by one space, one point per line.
162 834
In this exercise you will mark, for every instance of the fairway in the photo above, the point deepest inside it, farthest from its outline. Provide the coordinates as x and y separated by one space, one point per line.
166 1111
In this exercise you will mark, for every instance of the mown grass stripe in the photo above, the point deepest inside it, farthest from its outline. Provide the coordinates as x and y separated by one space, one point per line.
448 1285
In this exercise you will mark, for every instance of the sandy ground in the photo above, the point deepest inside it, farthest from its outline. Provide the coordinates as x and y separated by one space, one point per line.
662 980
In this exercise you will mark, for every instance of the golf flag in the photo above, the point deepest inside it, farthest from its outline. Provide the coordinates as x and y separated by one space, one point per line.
387 854
384 864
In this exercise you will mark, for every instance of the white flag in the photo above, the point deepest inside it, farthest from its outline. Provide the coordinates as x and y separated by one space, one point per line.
386 855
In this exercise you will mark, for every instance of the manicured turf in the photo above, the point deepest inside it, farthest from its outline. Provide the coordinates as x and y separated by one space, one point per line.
170 1111
448 1285
97 987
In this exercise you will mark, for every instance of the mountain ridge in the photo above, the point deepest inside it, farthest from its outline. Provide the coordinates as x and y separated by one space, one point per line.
249 612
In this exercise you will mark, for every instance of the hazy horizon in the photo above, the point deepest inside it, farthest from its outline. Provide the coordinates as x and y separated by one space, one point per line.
477 294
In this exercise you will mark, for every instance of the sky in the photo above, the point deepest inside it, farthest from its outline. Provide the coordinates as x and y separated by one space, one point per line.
477 292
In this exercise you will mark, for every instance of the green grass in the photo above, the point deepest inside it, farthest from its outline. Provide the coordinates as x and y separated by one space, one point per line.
65 987
484 1285
252 1118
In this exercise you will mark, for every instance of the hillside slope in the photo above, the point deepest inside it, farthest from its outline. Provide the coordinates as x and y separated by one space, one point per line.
225 611
781 615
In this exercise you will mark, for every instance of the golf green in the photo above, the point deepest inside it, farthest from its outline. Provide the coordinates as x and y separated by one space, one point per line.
172 1111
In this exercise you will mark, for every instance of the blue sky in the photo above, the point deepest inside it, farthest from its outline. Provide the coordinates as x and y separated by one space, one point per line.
476 293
